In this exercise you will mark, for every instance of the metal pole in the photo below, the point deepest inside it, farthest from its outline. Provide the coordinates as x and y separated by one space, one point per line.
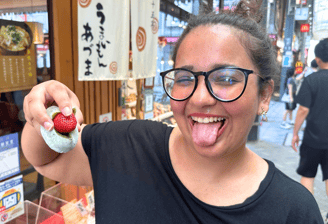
287 59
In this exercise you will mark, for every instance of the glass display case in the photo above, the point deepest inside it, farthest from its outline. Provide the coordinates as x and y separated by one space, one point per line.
74 203
35 214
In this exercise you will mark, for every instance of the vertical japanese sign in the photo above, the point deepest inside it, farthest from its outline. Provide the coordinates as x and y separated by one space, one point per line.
287 58
11 199
17 56
144 37
103 32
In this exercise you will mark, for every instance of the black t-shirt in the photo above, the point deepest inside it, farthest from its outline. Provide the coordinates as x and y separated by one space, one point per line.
314 95
134 182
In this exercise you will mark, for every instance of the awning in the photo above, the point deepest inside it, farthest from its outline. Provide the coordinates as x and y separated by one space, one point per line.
22 6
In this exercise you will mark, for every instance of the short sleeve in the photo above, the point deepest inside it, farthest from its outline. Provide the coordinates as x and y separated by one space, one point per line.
304 97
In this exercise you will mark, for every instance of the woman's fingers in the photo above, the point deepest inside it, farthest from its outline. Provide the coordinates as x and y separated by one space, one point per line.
60 94
48 92
34 108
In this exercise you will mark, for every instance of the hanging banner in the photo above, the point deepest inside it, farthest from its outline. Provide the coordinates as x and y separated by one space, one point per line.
103 31
144 38
17 56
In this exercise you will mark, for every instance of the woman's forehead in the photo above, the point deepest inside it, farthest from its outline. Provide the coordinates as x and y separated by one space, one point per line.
215 29
212 44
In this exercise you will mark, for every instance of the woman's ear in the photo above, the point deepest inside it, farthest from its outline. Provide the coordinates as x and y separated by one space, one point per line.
265 97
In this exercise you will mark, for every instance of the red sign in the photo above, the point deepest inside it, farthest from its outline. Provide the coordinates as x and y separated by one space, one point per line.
303 2
298 67
305 28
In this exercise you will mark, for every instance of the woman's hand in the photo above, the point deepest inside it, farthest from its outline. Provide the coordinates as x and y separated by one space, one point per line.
46 93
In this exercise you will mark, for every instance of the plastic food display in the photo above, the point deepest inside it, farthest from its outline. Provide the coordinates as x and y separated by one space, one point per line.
60 204
35 214
74 203
59 142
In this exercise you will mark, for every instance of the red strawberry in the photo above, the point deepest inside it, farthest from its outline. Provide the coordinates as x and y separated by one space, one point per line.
64 124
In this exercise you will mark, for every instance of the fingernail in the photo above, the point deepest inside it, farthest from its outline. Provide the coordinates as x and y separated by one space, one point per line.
67 111
47 125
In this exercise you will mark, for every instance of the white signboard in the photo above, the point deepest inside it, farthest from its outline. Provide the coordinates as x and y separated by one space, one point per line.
105 118
11 199
103 32
302 13
9 156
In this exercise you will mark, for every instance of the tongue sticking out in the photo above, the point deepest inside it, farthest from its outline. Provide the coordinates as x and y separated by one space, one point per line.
205 134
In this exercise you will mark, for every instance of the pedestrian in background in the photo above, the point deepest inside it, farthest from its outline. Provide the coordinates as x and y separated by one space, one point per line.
290 90
309 70
313 100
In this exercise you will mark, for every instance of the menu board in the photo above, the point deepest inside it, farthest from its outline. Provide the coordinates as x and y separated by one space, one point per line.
17 56
9 156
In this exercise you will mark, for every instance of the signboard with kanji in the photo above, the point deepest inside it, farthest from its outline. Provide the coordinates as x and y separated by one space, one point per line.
17 56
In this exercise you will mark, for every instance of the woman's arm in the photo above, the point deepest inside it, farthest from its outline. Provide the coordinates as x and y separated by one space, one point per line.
71 167
290 92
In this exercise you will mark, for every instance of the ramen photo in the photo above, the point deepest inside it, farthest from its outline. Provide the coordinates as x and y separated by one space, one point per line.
14 38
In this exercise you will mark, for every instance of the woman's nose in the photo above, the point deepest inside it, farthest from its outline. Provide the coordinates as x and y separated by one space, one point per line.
202 96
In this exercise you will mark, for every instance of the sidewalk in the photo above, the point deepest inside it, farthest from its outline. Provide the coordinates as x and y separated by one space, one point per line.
274 144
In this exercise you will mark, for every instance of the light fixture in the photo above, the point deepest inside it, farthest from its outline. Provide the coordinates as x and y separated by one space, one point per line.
162 61
170 62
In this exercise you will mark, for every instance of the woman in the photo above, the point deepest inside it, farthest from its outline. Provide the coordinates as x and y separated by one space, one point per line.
199 172
291 88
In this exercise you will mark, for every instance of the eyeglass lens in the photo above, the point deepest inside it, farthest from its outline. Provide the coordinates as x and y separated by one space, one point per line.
226 84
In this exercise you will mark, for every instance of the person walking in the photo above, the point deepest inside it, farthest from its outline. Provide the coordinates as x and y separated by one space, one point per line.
290 106
313 106
309 70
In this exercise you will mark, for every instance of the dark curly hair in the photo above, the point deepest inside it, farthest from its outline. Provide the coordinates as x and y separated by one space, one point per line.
321 50
245 21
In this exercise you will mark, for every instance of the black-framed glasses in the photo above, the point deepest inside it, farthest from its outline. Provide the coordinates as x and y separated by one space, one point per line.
225 84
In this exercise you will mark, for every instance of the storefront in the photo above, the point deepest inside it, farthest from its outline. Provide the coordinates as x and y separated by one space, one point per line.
41 40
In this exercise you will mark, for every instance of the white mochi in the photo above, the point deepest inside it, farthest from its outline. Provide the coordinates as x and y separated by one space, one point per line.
56 141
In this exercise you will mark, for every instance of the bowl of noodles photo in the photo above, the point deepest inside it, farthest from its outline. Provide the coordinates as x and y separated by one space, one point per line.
15 38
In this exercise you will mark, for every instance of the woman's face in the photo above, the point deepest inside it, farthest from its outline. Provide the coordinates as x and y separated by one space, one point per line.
203 49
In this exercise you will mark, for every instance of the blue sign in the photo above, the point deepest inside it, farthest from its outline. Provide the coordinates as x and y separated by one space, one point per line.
287 61
9 156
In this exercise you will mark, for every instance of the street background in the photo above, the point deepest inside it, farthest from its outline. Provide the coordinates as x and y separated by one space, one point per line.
274 143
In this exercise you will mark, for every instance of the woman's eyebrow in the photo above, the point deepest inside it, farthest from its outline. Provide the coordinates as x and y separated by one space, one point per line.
223 65
189 67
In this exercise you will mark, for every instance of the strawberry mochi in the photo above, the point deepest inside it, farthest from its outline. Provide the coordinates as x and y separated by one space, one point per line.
64 136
